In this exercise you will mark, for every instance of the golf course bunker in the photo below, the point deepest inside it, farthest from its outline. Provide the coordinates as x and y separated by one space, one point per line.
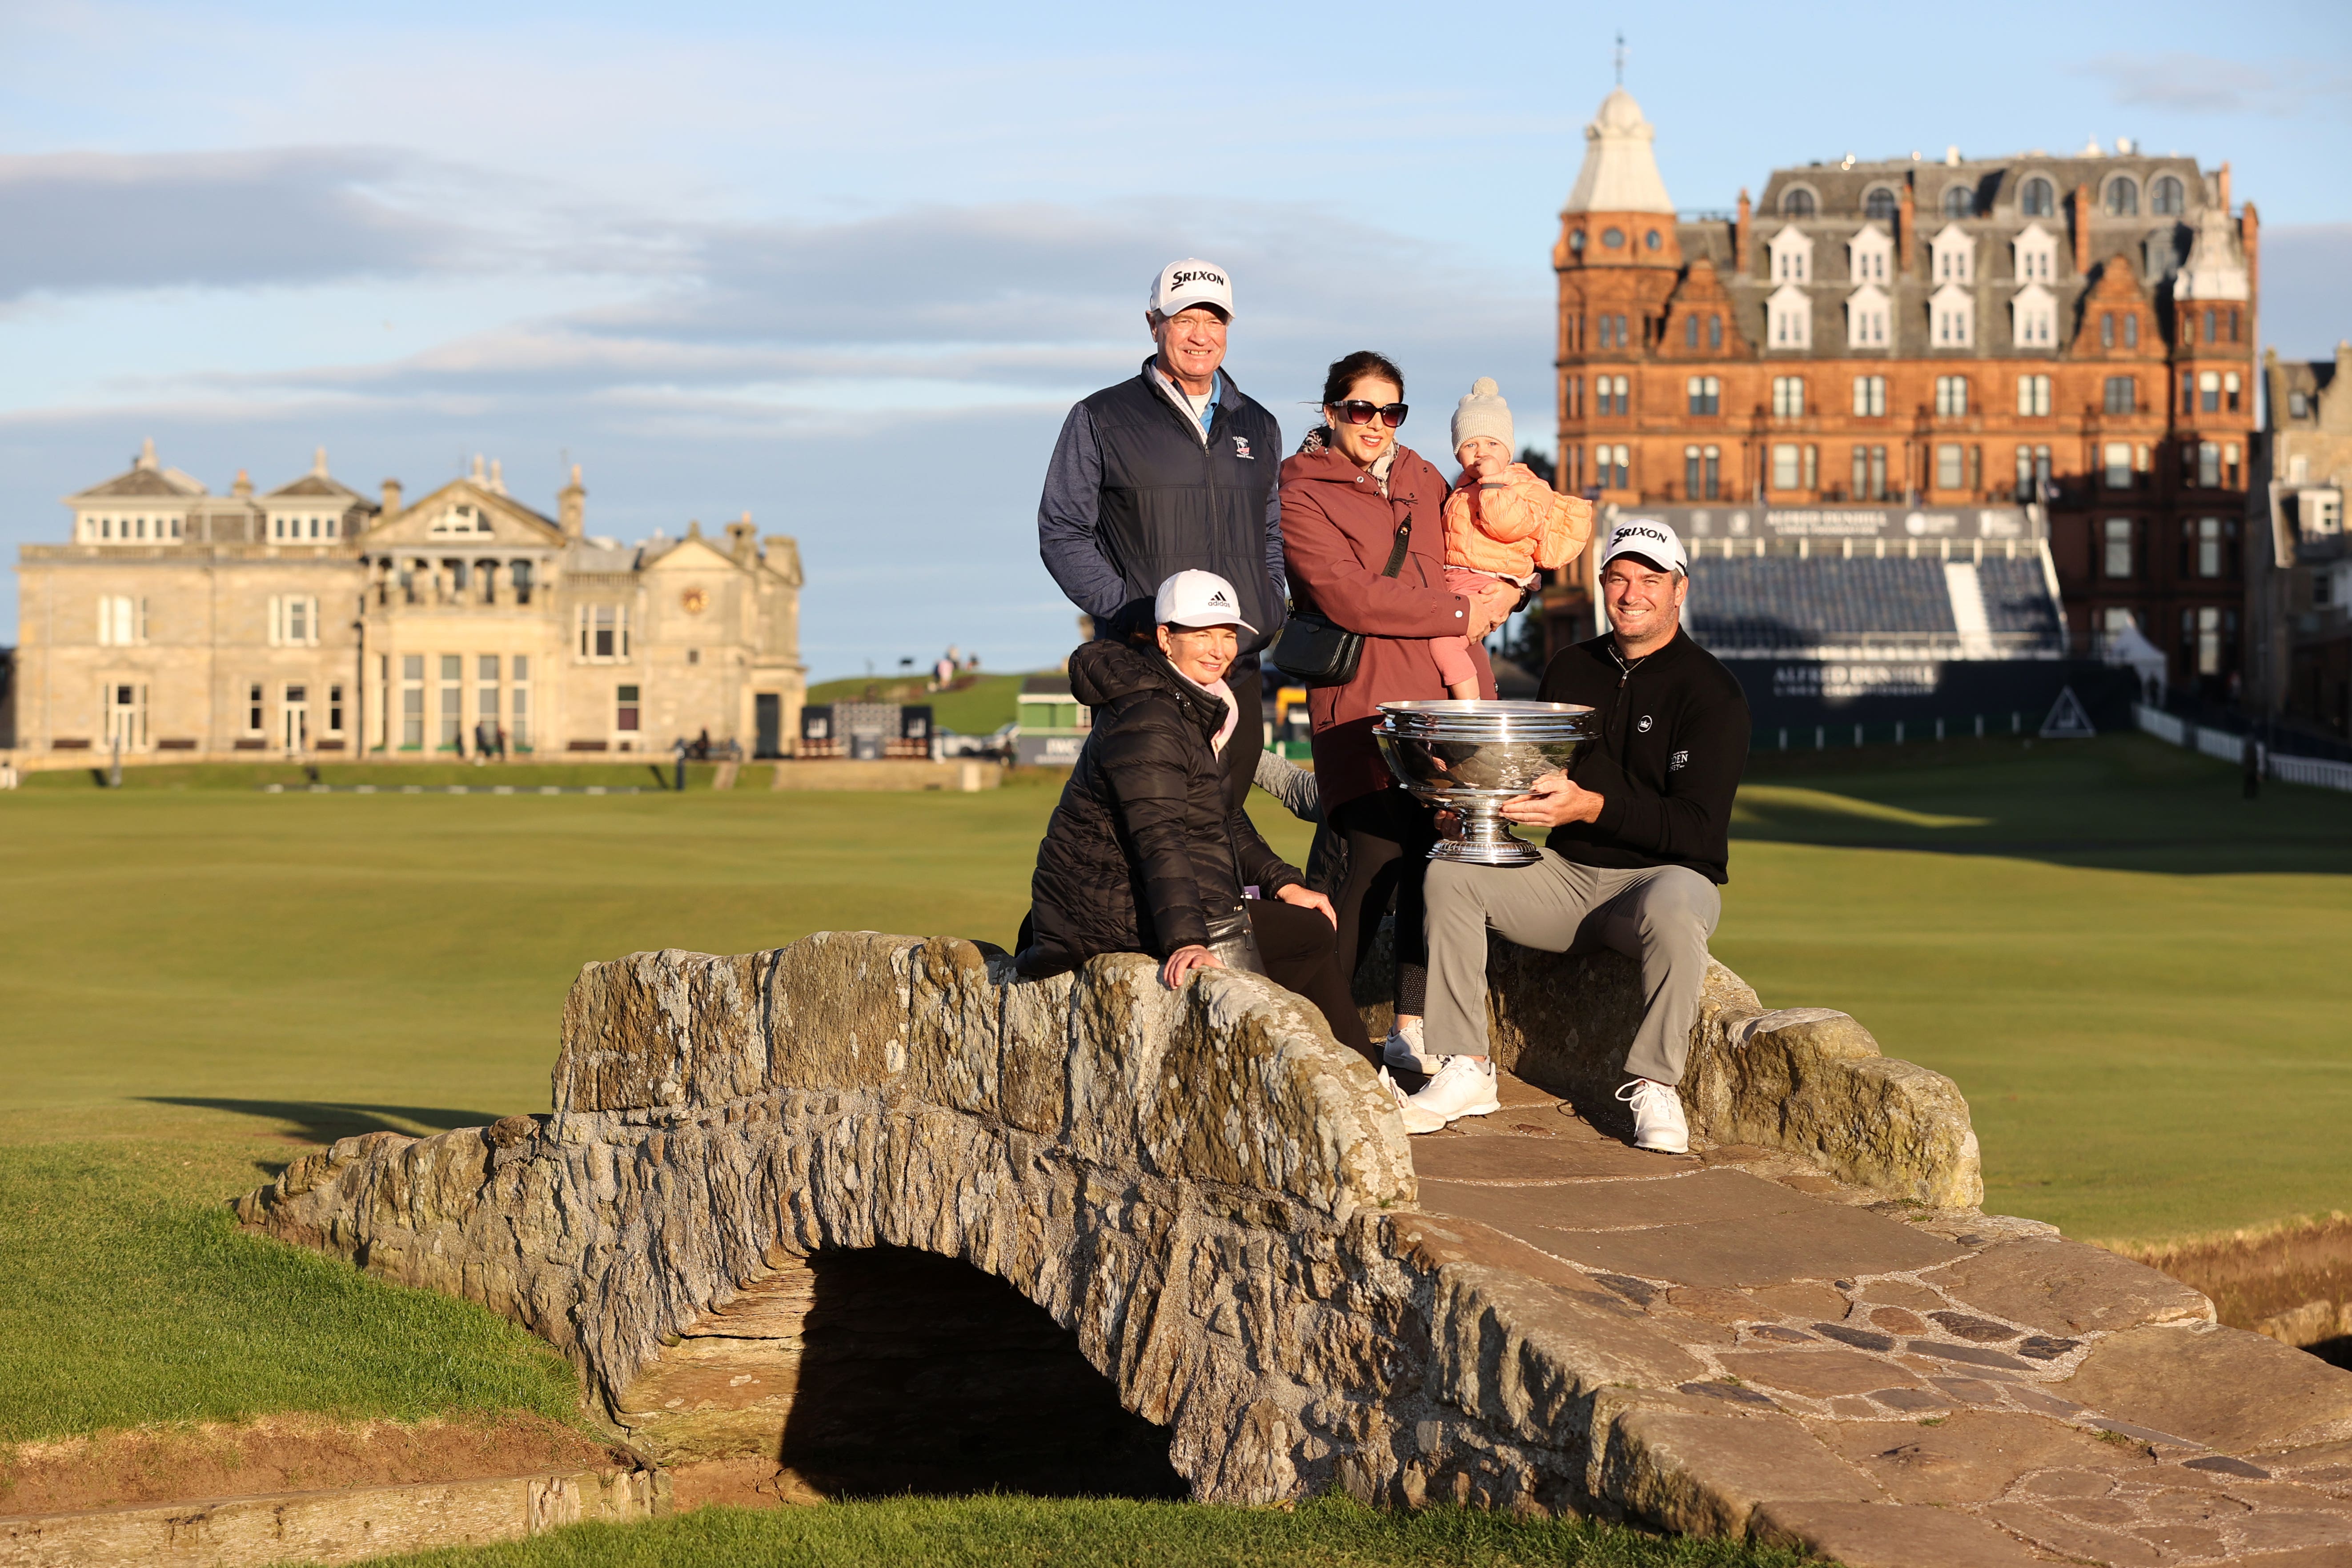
792 1206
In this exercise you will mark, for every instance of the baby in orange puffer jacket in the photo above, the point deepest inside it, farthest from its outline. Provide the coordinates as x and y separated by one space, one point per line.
1502 521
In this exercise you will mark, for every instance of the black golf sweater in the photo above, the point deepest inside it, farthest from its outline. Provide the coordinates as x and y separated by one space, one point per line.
1673 742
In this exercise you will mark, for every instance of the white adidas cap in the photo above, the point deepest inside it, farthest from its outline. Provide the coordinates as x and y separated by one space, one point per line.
1192 281
1199 599
1648 539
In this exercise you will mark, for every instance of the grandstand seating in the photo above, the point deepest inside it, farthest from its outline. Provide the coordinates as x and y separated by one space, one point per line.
1865 607
2017 599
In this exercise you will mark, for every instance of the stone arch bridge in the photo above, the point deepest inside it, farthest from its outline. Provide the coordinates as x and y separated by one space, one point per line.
812 1207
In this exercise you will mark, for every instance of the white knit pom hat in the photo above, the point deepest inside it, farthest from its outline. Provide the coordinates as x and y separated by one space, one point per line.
1483 413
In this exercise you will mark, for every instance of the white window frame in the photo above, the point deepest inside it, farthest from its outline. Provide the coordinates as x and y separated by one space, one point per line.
1870 396
121 621
130 719
1954 256
1789 319
1868 316
584 644
2034 255
1951 396
518 673
2032 396
1787 398
1792 256
293 620
1952 318
1868 252
2033 318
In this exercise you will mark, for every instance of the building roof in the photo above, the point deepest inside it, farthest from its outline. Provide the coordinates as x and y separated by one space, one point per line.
316 484
1620 172
145 477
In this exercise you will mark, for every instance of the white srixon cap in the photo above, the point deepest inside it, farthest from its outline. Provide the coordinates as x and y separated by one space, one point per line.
1192 281
1648 540
1199 599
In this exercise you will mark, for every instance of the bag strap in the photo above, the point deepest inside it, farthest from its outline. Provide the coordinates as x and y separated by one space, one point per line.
1404 542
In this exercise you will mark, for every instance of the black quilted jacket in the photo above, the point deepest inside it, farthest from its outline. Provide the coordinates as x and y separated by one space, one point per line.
1141 850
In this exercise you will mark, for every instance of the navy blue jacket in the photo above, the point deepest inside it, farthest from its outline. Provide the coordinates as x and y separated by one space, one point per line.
1134 494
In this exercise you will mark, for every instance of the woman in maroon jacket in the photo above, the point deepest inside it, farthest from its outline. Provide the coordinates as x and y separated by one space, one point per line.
1346 495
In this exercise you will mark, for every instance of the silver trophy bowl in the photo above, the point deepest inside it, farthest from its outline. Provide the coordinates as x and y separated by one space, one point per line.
1469 757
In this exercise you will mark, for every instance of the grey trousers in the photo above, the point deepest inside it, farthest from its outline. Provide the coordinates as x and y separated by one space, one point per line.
1660 915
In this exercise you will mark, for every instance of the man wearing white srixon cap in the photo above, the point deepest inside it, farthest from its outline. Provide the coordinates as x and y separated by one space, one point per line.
1640 835
1174 469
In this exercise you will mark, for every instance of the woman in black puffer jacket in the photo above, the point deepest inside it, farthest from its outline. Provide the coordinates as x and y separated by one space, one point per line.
1143 853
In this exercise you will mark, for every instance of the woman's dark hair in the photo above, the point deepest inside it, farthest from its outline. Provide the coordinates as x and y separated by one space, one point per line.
1344 375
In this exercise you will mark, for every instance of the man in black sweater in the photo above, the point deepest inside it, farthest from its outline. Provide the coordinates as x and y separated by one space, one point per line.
1640 829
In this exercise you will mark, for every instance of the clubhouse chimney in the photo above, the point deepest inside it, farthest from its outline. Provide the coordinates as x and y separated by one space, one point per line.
390 496
571 506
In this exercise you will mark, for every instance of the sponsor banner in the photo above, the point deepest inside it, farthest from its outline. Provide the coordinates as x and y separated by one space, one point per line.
1872 523
1805 692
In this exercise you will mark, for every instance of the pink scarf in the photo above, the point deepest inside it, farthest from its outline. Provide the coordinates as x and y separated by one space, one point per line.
1224 694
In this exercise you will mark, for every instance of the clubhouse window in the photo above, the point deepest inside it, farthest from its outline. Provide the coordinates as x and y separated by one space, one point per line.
1702 473
453 699
1951 395
2123 395
1705 393
255 720
412 701
2117 465
625 709
1869 396
1870 473
2116 562
518 702
1787 398
604 633
2033 394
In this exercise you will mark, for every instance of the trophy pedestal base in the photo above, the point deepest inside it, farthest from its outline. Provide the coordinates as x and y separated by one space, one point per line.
1487 843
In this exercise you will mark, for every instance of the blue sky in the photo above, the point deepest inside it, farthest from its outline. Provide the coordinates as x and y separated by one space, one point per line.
846 268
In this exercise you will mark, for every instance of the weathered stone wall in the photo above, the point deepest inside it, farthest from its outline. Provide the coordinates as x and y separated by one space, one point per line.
1208 1190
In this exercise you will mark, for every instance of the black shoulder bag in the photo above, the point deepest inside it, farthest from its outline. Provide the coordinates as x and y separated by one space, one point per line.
1311 649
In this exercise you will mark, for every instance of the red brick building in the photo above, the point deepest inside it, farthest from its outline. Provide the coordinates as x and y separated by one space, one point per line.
2076 333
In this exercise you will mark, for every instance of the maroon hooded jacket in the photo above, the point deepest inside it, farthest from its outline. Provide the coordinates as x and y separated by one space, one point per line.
1336 531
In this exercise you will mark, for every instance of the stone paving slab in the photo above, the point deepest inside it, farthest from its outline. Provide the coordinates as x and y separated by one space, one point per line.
2219 1387
1976 1392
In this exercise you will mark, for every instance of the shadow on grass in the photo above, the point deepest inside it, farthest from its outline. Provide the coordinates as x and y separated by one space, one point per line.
323 1121
2116 803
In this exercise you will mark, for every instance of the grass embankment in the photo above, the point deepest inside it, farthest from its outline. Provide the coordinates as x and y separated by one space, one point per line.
977 706
1327 1534
2136 977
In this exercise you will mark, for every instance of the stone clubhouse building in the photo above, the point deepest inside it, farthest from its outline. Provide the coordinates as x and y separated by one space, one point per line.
309 621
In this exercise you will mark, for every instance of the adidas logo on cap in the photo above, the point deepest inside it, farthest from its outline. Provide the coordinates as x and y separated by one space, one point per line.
1198 599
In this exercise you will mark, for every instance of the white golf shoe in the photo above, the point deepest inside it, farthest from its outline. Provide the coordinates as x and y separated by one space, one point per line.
1658 1121
1462 1086
1416 1120
1402 1050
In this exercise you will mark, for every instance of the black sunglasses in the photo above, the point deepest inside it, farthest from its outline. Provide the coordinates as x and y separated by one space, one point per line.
1356 411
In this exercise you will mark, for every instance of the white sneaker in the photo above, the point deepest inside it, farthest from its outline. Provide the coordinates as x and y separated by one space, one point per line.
1658 1117
1416 1120
1462 1086
1402 1050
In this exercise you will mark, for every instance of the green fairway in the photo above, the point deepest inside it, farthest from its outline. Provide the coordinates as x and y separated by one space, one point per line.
2136 976
1330 1532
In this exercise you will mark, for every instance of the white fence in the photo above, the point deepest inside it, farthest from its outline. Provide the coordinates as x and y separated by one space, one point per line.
2223 746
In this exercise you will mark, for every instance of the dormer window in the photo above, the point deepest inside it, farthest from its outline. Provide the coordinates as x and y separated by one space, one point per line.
2123 196
1867 318
2035 255
1793 257
1798 202
1788 319
1867 255
1951 318
2038 199
1955 255
2033 318
2165 199
1880 205
1960 200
